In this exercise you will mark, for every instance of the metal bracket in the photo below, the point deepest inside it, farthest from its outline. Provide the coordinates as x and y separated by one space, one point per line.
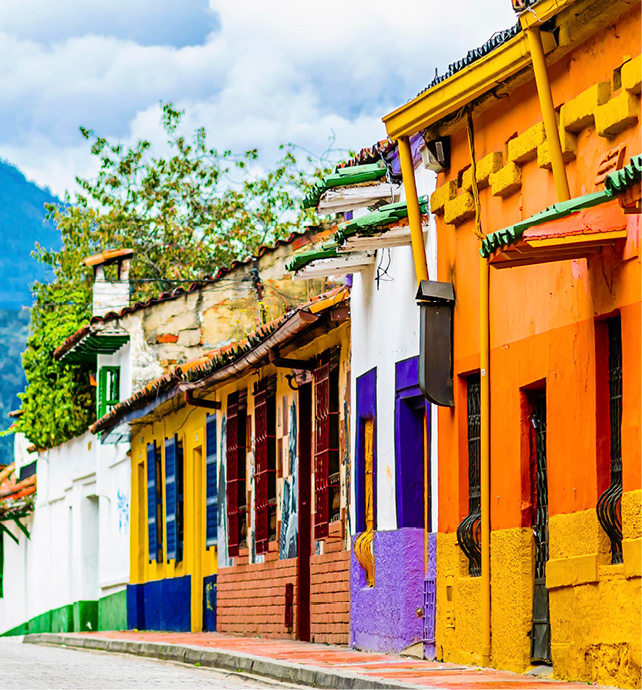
197 402
286 363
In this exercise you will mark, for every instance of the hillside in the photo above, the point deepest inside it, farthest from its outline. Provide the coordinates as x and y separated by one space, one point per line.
22 214
22 224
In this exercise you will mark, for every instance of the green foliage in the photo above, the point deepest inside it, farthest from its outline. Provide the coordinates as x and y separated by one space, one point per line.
185 214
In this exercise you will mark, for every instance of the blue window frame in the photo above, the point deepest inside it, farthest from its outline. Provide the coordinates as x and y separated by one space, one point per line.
174 498
154 505
211 486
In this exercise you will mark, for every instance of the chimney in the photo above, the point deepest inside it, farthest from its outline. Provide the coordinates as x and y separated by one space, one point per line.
110 295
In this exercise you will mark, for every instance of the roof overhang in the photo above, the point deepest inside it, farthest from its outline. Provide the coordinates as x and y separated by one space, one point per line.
95 342
342 199
352 262
473 81
395 236
576 236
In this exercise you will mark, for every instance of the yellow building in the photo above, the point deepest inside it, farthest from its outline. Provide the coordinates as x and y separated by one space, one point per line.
239 465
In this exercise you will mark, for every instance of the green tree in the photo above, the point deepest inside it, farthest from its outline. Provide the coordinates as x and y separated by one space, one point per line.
185 214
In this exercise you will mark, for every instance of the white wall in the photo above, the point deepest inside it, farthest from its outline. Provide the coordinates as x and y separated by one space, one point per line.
385 330
79 546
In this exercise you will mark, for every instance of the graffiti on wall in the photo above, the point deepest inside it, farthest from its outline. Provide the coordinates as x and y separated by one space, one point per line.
224 560
122 506
289 498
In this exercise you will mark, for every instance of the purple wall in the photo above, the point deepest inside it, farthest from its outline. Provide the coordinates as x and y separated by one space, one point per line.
384 617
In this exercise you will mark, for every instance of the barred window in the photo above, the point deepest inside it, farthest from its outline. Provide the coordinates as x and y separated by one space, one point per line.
468 532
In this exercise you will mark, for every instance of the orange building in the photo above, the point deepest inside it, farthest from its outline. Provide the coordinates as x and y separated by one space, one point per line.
549 195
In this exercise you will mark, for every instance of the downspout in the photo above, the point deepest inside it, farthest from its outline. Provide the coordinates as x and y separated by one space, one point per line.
421 272
484 366
548 113
414 212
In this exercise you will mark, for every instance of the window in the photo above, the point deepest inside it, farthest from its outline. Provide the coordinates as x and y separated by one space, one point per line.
265 454
211 486
154 504
236 472
108 389
174 498
609 505
468 532
326 440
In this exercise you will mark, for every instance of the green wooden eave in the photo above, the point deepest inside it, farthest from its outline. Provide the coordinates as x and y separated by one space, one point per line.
615 183
506 236
93 344
377 221
620 180
344 177
328 250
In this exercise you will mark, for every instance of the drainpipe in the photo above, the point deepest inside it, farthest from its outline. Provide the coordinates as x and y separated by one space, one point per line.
548 113
414 212
484 366
484 458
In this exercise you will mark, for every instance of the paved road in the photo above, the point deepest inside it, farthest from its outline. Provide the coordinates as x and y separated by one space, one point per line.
35 667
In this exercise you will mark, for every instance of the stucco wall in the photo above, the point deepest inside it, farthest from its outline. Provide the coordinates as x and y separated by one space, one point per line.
79 546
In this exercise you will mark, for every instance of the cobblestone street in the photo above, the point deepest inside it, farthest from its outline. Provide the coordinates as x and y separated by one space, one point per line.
31 666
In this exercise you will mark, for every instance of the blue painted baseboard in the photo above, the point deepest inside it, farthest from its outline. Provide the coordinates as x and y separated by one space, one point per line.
160 605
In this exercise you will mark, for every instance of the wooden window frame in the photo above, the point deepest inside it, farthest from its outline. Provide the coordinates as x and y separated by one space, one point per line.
106 403
265 458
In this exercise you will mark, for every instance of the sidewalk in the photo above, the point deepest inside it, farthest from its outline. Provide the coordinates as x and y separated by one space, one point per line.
301 662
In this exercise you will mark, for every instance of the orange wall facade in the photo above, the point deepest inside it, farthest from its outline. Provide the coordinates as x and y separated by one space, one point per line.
542 329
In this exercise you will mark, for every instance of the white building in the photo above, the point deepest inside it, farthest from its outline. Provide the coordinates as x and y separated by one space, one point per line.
393 429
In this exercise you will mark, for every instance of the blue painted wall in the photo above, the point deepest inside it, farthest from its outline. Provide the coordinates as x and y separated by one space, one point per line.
160 605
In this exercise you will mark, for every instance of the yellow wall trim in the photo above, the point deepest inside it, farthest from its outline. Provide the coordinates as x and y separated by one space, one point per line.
567 572
632 555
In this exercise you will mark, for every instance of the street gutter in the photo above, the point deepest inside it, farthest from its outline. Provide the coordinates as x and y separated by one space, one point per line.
230 661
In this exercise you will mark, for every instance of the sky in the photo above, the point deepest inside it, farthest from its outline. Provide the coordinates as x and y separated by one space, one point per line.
254 73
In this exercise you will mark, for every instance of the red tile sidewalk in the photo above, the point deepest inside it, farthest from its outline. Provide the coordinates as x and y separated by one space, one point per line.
374 665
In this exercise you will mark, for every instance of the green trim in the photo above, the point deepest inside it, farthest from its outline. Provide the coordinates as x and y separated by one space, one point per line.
614 184
620 180
344 177
377 221
505 237
325 251
108 613
61 620
112 611
92 345
85 615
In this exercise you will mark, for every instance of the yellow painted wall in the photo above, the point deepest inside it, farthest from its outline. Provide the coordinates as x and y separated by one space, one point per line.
595 607
198 560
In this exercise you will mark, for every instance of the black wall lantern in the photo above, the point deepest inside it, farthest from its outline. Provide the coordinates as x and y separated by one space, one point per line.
436 302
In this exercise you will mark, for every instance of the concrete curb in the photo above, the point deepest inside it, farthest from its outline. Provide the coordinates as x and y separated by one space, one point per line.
228 661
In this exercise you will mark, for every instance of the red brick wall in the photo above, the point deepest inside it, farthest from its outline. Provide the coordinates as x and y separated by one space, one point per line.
251 597
330 594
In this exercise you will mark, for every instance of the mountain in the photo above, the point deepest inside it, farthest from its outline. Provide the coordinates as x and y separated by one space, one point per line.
22 224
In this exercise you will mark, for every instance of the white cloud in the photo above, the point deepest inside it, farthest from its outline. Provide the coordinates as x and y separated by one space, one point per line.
270 73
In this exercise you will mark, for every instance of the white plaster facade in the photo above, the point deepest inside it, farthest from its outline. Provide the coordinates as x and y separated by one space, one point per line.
385 330
79 532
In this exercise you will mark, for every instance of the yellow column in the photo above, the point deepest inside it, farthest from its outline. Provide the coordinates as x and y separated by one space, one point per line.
414 213
198 542
363 545
548 113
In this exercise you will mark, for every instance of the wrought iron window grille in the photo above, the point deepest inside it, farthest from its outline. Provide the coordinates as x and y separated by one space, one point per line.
469 530
609 504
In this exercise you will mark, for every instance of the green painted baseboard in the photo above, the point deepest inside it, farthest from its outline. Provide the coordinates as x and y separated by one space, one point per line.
85 616
112 611
108 613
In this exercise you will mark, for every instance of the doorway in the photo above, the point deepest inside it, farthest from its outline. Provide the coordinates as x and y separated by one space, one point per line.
304 512
541 630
